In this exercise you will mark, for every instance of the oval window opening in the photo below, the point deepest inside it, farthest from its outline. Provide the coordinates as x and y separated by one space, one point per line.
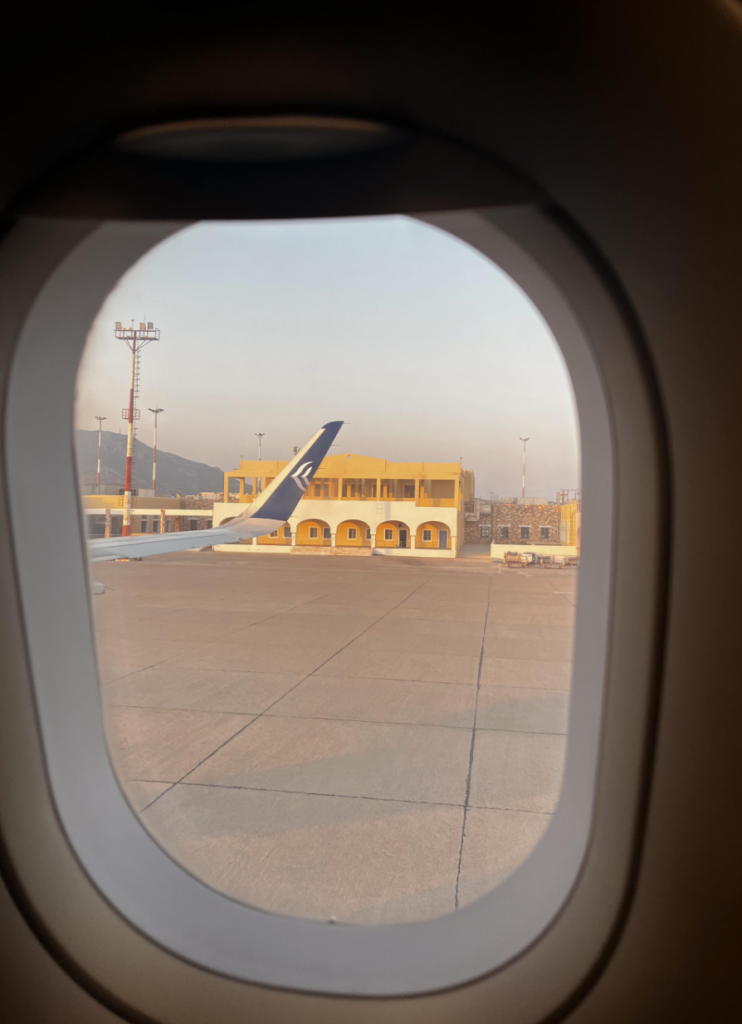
350 702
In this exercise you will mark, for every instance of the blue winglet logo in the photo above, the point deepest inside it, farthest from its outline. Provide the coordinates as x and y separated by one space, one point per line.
302 476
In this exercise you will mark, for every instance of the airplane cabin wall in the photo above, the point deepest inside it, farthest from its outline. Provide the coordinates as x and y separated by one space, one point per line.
629 117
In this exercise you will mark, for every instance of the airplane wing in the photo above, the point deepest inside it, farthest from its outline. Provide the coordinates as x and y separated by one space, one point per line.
157 543
267 513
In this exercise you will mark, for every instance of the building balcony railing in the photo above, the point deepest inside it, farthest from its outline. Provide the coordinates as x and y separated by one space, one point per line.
421 502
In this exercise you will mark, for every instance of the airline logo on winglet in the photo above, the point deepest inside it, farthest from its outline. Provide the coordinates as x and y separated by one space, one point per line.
302 475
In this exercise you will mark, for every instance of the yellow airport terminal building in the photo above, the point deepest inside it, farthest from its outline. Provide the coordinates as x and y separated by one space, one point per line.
357 504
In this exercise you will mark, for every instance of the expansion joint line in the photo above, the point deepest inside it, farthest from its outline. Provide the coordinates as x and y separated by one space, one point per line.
471 748
290 690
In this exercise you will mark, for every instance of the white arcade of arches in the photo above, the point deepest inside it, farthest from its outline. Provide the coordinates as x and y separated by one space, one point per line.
335 520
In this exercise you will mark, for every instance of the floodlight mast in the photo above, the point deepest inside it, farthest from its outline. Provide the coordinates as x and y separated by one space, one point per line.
135 339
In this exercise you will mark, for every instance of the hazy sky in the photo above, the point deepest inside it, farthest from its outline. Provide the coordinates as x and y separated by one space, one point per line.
420 342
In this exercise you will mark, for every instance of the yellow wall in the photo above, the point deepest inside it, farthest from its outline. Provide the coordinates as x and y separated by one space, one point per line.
279 539
433 542
571 513
302 533
365 478
342 540
395 527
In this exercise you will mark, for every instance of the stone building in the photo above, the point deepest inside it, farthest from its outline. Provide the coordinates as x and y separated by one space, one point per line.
511 523
195 505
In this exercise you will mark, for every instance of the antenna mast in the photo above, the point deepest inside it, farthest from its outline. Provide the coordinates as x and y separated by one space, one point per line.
156 411
100 430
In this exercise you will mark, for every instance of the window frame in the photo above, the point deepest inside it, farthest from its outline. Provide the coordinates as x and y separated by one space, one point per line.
566 899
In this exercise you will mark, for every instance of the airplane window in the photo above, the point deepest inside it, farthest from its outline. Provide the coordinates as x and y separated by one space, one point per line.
349 700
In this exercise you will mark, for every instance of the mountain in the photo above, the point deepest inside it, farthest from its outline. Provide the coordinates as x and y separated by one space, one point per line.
175 475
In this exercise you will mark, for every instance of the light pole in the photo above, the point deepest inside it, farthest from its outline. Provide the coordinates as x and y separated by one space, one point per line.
524 440
259 481
100 428
154 454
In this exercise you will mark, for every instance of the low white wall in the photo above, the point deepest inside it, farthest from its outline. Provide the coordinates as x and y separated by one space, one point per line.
416 552
320 549
498 550
256 549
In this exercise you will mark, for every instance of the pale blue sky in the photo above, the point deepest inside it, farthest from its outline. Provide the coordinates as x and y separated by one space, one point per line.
426 347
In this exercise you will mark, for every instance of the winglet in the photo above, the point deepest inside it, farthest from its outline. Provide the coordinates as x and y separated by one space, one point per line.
278 501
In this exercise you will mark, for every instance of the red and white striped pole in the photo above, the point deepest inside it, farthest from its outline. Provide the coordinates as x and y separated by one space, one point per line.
135 340
100 428
154 454
126 532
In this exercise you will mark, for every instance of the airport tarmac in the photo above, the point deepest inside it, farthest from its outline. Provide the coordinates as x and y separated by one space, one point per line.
369 739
